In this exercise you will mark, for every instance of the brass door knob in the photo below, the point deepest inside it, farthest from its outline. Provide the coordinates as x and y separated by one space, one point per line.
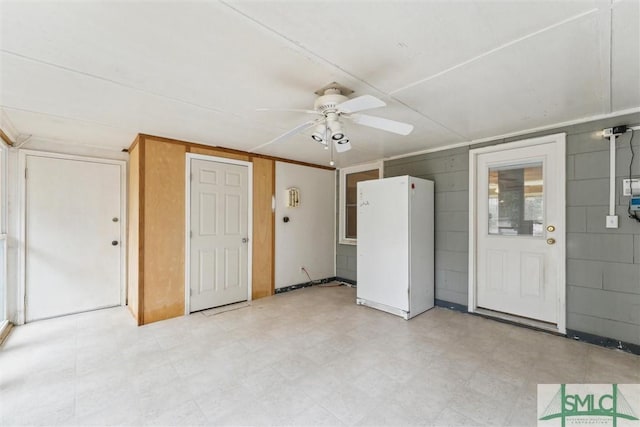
551 228
551 241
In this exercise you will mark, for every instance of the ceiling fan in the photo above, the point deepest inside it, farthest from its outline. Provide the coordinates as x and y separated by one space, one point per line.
331 106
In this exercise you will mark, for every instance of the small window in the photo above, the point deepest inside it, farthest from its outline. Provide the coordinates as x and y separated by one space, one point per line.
349 179
516 200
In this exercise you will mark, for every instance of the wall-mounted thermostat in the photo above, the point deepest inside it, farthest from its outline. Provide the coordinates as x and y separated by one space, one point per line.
293 197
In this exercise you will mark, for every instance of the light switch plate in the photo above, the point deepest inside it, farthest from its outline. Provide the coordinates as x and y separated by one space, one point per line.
612 221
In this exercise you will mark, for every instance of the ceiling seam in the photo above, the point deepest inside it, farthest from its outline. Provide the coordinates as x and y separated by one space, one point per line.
525 132
115 82
330 63
127 86
91 122
494 50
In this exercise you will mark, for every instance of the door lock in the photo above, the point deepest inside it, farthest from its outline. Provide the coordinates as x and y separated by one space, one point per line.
245 239
551 241
114 243
551 228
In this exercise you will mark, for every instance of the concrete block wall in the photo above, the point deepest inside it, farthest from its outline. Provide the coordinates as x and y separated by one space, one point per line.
449 170
603 265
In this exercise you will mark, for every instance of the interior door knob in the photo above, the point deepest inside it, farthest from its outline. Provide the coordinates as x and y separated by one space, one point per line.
551 228
245 240
114 243
551 241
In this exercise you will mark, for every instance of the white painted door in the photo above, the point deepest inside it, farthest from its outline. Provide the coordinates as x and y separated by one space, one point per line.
219 234
520 207
73 240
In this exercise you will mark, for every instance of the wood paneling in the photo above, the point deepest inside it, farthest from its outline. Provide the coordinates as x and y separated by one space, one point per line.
263 228
244 155
218 153
157 224
164 225
133 240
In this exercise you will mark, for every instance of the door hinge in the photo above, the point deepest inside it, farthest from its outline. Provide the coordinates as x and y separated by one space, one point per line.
191 234
25 173
190 292
190 177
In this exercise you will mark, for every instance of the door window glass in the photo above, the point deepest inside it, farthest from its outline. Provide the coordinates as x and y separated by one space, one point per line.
516 200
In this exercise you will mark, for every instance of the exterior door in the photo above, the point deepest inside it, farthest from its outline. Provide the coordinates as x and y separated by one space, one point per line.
519 213
73 241
219 234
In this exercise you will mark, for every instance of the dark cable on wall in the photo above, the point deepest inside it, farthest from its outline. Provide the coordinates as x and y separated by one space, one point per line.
632 214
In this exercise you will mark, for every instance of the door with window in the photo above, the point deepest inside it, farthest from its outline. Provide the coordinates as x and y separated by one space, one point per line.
519 230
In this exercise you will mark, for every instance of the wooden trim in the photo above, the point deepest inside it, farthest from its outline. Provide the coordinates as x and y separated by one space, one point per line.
5 328
134 143
141 208
273 230
233 151
6 138
263 228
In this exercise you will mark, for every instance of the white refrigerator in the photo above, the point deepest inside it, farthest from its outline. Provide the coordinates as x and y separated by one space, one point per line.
396 245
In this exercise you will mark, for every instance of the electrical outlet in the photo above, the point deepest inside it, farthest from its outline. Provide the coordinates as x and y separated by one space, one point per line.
612 221
630 189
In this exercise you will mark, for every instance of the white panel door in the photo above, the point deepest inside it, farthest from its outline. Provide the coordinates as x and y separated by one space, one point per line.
219 234
519 209
73 241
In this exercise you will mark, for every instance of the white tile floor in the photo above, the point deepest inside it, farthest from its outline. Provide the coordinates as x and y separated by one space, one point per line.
307 357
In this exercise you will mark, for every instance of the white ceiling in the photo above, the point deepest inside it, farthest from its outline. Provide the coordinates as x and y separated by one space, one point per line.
97 73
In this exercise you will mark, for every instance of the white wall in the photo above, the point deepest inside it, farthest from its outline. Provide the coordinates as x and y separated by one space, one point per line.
308 239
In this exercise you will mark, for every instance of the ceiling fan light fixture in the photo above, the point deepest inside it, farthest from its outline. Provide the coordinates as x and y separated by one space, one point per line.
337 136
319 134
336 129
342 145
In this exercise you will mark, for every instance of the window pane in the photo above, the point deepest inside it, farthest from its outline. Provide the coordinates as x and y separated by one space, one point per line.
351 225
351 199
516 200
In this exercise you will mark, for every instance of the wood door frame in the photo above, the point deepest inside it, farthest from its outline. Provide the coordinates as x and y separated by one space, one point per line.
560 140
22 226
187 222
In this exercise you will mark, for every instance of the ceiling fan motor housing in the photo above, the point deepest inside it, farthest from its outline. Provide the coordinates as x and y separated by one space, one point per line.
329 101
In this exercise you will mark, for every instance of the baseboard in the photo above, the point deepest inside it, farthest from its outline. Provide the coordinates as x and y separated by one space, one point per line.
349 281
571 333
304 285
452 306
603 341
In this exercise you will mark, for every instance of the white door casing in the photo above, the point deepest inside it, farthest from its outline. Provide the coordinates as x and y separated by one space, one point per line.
73 252
219 232
517 266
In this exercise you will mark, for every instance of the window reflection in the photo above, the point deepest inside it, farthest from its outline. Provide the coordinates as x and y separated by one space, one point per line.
516 200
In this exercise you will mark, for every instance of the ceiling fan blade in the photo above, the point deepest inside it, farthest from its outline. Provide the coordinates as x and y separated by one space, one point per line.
293 110
364 102
383 124
300 128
